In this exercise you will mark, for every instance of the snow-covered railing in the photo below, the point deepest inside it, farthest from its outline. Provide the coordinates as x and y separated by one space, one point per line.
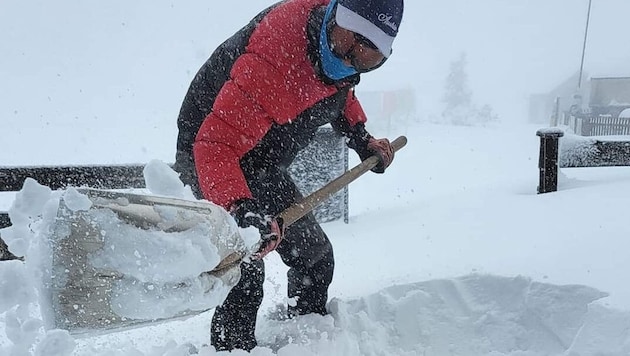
605 125
599 125
560 150
323 160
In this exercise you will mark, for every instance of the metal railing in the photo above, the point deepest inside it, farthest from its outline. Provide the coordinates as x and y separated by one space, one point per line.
600 125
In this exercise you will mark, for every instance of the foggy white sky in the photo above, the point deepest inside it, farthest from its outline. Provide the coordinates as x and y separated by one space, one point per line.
514 47
89 61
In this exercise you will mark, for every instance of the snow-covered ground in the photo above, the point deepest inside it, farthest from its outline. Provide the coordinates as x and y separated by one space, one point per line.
451 252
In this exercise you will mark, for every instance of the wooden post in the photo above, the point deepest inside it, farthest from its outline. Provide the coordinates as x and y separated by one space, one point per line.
548 159
555 117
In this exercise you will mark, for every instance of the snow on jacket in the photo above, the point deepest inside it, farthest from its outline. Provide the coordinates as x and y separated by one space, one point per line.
259 100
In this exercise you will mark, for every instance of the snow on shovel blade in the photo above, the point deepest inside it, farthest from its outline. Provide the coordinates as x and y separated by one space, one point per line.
131 260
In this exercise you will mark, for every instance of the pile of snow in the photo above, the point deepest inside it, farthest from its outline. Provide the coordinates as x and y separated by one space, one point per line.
472 315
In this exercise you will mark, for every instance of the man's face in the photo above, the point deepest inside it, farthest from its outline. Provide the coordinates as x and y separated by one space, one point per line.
355 50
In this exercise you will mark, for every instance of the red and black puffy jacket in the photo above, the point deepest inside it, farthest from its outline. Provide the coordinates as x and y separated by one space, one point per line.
258 101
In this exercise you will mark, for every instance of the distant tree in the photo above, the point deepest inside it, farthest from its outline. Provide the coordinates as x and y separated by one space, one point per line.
457 95
458 105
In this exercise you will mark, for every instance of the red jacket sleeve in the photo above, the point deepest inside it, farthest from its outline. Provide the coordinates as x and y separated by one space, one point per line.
234 127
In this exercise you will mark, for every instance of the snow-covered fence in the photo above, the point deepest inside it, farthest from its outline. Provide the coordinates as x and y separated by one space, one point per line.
323 160
599 125
558 150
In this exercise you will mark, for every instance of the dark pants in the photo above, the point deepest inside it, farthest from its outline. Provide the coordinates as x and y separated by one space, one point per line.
305 249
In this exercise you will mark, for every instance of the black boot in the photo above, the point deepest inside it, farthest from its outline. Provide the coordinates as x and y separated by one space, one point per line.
309 288
234 322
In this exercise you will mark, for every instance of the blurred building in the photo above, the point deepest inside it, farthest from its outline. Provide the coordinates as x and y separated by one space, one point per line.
544 107
603 95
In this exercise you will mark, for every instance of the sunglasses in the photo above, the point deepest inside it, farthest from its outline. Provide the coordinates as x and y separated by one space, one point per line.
363 54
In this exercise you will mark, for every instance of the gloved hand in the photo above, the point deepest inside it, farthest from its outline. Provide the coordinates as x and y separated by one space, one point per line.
383 150
249 212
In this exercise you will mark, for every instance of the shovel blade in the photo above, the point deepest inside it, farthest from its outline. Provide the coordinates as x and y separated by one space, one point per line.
95 286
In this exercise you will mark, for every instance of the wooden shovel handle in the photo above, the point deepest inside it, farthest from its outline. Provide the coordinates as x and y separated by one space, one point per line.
298 210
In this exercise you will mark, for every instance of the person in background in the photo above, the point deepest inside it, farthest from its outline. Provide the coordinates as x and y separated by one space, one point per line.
576 108
255 103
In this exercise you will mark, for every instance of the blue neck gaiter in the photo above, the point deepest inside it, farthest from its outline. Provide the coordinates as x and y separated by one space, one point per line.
334 68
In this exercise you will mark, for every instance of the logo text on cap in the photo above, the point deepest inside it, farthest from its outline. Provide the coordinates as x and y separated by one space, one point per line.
387 20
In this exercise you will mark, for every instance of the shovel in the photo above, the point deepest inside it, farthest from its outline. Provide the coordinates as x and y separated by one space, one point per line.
310 202
86 294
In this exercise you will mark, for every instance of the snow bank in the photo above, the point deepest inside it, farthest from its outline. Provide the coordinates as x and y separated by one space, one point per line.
471 315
